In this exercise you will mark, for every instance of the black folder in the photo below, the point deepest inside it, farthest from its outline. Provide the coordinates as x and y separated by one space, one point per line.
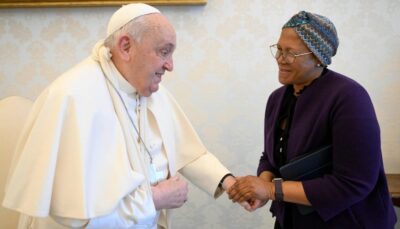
308 166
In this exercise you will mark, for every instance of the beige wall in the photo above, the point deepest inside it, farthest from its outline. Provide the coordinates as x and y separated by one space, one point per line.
223 73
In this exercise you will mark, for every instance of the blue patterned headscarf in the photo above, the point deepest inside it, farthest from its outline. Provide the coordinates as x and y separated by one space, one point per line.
317 32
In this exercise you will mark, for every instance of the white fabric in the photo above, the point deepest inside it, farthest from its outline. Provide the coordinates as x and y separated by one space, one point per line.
127 13
71 151
13 113
76 156
147 126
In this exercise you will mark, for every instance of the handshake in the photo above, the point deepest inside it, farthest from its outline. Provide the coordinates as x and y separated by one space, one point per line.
251 192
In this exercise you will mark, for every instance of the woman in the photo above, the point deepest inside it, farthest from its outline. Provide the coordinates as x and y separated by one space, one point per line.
318 107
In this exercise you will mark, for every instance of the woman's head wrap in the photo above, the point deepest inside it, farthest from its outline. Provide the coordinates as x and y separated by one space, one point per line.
317 32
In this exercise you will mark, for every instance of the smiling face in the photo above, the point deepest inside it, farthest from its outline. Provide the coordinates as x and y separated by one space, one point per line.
151 56
303 71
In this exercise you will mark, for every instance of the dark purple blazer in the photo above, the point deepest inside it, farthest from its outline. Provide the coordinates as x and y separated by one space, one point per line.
335 110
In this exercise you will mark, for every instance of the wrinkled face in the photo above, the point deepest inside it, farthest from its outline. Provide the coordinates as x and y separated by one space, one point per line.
152 56
303 70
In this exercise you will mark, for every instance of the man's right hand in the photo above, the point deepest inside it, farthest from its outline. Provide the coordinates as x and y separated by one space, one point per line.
171 193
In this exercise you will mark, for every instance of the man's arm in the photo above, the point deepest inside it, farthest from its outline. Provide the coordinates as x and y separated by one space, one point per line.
206 173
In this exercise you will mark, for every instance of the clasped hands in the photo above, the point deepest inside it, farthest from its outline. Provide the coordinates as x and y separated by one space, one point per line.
251 192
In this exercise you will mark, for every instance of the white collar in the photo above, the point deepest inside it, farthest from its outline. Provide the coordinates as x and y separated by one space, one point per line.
123 84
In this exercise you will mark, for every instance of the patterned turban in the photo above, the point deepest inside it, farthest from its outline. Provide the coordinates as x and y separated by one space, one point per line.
317 32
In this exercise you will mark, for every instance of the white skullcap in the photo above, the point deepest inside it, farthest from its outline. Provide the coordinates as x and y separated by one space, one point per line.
127 13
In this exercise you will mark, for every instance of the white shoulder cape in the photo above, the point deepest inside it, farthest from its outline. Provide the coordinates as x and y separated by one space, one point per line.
71 160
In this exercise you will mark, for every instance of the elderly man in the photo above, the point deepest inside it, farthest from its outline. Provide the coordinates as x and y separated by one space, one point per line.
104 142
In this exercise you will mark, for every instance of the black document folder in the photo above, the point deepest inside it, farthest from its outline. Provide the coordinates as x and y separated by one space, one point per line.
308 166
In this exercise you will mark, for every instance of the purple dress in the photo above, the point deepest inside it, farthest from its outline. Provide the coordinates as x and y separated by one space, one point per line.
334 110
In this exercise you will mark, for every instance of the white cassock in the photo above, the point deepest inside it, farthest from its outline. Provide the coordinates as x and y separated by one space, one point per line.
79 159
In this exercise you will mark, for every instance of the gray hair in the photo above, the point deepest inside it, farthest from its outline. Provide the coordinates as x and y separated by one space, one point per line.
136 28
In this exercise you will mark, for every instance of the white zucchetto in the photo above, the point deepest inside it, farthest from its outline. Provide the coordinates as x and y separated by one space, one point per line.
127 13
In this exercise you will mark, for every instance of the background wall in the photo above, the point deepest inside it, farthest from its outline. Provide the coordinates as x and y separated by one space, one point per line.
223 73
